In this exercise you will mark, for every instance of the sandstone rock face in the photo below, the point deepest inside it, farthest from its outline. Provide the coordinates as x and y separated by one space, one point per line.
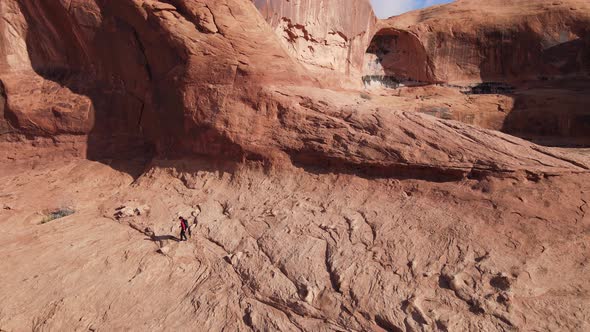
124 72
551 112
328 37
176 87
470 41
314 209
526 61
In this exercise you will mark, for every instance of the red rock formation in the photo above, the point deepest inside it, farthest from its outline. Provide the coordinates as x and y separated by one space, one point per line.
184 77
319 209
470 41
127 71
328 37
534 53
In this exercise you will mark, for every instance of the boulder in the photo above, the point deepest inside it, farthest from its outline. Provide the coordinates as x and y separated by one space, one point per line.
131 210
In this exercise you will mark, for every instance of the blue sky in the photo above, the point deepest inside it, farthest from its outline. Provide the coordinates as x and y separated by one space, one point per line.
387 8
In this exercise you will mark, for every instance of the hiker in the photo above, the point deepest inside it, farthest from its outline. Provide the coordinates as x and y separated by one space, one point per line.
183 228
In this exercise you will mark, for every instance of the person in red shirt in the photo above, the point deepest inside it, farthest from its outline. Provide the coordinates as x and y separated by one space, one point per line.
183 228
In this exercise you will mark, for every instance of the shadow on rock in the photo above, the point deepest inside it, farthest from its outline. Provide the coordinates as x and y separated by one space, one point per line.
95 79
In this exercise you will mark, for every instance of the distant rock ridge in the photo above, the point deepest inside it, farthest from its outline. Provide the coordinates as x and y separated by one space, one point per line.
472 41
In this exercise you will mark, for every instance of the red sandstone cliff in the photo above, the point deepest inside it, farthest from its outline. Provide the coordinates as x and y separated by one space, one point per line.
201 77
471 41
328 37
318 209
134 72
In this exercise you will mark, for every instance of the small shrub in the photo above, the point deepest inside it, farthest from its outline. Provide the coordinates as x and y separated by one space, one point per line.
56 214
366 96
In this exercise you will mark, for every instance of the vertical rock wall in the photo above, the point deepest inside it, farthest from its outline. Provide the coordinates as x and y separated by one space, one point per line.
329 36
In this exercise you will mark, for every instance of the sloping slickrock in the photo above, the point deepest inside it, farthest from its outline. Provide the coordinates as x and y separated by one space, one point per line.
300 251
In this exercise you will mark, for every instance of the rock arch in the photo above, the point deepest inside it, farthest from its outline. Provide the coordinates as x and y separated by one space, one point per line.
396 56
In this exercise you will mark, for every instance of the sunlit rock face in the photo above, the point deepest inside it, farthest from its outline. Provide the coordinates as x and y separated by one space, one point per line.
329 37
472 41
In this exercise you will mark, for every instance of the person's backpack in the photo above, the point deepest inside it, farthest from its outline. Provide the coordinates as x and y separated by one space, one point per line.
185 223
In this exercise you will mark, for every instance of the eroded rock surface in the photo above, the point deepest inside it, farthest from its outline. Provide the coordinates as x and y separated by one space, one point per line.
328 37
470 41
297 251
525 64
314 209
130 69
177 87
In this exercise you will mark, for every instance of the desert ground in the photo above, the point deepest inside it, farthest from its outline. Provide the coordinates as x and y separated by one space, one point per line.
428 172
